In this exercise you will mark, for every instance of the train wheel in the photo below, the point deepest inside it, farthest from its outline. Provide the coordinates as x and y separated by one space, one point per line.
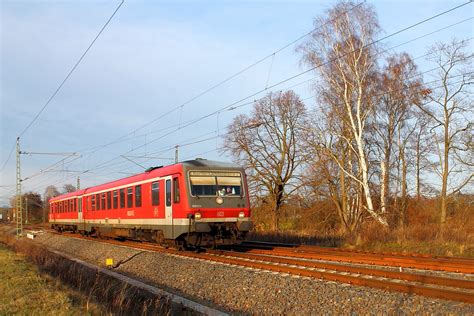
180 244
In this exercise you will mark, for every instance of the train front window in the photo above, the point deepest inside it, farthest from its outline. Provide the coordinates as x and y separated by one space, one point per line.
215 183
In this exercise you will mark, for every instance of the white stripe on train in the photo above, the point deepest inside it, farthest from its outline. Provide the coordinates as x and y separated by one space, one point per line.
147 221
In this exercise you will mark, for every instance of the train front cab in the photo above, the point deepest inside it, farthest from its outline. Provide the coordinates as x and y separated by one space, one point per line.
218 204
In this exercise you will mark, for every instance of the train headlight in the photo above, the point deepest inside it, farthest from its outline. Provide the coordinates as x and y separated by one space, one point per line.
241 214
197 215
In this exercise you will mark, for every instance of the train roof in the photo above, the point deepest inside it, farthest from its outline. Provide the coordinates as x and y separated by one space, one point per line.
199 162
151 173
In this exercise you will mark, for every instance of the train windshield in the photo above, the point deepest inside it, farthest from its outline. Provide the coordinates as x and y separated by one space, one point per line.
215 183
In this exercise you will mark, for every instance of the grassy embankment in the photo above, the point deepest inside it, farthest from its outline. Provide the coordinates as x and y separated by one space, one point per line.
421 233
94 292
24 290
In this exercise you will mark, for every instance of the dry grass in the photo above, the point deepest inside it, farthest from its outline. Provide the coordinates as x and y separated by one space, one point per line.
24 290
421 234
115 297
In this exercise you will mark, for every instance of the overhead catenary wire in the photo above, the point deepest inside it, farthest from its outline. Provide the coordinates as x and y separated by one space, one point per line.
210 138
107 165
9 156
181 125
286 80
215 149
199 141
71 71
229 78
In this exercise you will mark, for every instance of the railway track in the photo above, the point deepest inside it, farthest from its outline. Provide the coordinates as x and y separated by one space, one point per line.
460 265
305 263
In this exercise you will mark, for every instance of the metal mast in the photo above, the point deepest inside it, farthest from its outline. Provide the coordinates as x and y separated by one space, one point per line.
19 210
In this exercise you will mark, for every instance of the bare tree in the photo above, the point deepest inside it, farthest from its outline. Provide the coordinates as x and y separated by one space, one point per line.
343 53
421 146
451 111
325 175
268 144
49 192
402 89
67 188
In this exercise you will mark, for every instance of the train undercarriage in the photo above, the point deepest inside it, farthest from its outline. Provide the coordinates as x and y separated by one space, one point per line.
186 238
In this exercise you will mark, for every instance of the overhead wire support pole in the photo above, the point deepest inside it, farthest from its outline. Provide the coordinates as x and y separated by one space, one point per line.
18 209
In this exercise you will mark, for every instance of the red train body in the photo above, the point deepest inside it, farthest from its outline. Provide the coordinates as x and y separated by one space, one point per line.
191 203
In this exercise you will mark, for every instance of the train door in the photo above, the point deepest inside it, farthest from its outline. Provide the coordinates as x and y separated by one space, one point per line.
79 209
79 214
168 204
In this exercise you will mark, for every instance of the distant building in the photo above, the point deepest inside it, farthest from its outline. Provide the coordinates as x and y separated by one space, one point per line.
6 214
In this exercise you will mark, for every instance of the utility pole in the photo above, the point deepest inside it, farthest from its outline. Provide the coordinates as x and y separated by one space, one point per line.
19 210
176 154
26 210
78 185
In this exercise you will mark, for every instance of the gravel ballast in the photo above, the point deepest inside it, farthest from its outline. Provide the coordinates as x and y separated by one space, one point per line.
238 289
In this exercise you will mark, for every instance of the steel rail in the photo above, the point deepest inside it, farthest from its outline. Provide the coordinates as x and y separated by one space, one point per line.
419 257
416 263
427 279
461 295
345 250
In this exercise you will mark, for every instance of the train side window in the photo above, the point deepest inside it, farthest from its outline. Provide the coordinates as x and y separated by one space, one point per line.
93 202
97 201
73 205
168 192
109 200
138 195
66 206
122 198
129 197
102 202
176 194
115 199
155 193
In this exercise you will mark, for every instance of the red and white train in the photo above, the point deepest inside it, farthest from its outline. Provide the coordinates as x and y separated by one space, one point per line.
190 203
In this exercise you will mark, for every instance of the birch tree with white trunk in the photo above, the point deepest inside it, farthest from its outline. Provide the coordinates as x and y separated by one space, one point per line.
342 52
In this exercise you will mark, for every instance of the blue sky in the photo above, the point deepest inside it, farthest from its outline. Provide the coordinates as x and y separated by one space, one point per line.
154 56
